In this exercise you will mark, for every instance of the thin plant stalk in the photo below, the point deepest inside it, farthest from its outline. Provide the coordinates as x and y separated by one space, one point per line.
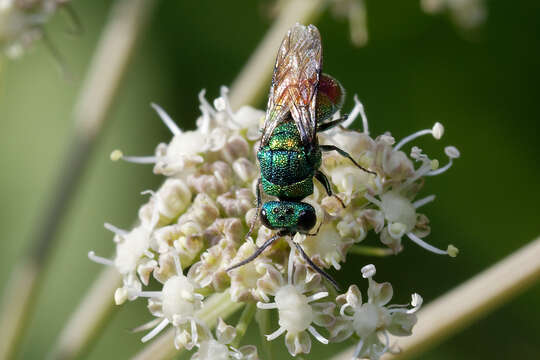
370 250
263 322
243 323
91 111
468 302
249 85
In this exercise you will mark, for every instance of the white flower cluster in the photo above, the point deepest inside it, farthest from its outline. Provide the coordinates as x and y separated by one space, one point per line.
467 14
193 228
22 21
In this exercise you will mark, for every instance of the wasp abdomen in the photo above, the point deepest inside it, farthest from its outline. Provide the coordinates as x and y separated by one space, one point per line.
287 169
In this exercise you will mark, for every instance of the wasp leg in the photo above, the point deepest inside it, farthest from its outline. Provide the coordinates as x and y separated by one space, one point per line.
315 267
319 175
344 154
258 251
258 209
330 124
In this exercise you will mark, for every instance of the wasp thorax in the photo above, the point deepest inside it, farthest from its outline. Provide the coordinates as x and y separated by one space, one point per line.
294 216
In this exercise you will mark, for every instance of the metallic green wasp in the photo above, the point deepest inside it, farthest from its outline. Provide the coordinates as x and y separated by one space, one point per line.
301 103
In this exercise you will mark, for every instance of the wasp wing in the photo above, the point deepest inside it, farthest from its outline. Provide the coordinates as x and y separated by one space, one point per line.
294 83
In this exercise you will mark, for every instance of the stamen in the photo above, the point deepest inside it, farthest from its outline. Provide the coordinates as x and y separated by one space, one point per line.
166 119
317 336
177 264
425 245
147 326
424 201
386 343
148 254
149 294
373 200
358 349
437 131
155 331
224 94
290 268
368 271
317 296
140 159
275 334
266 306
116 155
416 302
452 153
205 103
194 333
397 306
100 260
115 230
357 109
335 264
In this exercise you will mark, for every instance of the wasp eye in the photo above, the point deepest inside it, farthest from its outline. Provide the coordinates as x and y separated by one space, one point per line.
264 218
306 220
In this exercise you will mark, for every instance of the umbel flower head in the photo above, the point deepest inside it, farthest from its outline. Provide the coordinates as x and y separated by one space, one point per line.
193 228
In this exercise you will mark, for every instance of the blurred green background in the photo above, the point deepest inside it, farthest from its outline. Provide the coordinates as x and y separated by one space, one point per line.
416 69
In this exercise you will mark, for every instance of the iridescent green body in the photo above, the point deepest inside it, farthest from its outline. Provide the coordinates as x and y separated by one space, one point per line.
287 168
301 103
292 215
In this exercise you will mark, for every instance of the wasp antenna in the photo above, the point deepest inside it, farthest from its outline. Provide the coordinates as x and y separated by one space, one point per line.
316 268
256 253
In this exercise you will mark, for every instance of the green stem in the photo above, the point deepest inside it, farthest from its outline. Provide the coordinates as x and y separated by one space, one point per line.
243 323
370 250
263 320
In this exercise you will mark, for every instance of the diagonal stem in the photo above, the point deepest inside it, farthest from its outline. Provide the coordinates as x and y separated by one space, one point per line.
243 323
91 111
468 302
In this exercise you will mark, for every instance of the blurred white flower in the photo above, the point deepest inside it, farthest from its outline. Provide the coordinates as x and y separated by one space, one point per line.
372 320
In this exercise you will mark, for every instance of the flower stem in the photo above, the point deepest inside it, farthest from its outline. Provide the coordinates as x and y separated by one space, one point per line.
253 80
370 250
243 323
216 306
91 111
263 320
468 302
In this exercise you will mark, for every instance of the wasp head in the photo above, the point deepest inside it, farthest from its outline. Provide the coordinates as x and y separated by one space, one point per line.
294 216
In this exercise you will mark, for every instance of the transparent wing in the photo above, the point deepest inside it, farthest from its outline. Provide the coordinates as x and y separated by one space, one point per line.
294 83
